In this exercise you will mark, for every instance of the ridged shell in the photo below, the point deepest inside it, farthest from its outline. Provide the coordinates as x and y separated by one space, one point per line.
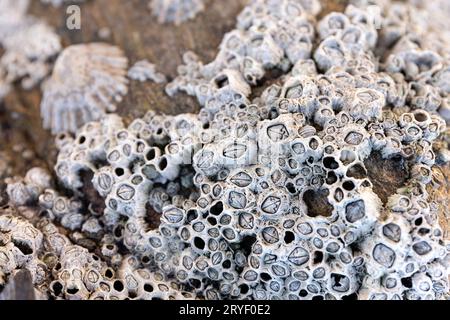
176 11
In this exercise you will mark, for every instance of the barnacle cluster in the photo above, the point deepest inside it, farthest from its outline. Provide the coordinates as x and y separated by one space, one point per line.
144 70
58 3
264 196
71 271
12 14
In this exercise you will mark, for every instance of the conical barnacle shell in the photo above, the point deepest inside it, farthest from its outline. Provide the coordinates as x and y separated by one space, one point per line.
87 81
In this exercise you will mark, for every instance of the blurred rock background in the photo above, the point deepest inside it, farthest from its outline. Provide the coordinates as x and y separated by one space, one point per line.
131 26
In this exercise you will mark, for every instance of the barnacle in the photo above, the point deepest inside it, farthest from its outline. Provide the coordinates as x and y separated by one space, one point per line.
87 81
144 70
22 191
176 11
287 195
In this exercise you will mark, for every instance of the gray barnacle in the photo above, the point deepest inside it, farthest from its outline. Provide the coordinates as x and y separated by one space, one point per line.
331 52
332 24
415 64
176 11
21 248
276 36
367 104
87 82
104 180
39 178
313 7
422 96
18 192
144 70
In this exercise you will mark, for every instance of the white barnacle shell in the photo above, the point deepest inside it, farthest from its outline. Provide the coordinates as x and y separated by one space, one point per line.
442 79
273 203
5 86
332 24
238 171
176 11
367 104
87 81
